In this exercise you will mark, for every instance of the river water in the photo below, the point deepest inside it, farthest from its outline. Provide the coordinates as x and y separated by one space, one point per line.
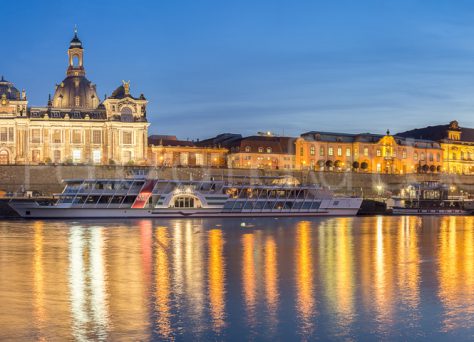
361 278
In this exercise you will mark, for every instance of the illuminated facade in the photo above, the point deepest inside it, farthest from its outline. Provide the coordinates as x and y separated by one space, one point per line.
457 144
75 126
371 153
167 151
262 152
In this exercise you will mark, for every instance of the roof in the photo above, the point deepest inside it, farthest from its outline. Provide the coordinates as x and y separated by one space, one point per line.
120 93
278 145
437 133
224 140
167 140
9 90
367 138
75 42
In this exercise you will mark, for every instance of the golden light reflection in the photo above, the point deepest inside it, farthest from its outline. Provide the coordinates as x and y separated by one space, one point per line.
216 279
249 277
336 264
409 266
162 274
271 281
77 283
456 272
305 302
38 274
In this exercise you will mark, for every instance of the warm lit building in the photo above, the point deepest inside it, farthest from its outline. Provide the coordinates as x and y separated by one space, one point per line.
168 151
324 151
263 151
75 126
457 144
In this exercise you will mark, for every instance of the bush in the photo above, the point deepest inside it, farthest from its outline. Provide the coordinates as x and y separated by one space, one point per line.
111 162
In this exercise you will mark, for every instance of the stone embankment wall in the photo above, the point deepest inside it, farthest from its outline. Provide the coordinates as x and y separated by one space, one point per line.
47 179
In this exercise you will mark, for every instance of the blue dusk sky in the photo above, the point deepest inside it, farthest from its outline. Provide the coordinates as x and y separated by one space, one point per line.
209 67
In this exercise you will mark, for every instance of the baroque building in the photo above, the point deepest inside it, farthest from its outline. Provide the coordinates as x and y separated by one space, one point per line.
75 126
372 153
456 142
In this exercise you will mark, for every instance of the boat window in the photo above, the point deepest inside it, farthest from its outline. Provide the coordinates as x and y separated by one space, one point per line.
238 205
278 206
302 194
104 199
259 205
80 199
228 205
129 199
269 205
297 205
92 199
248 205
306 205
316 205
117 200
288 205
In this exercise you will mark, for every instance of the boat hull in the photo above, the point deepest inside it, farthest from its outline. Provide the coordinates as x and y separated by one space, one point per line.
35 211
415 211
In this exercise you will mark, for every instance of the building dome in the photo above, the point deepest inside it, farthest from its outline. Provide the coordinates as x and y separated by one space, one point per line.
75 92
7 89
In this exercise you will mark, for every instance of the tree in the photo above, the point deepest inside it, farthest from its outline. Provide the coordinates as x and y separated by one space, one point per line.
432 168
355 165
329 163
364 166
426 168
337 163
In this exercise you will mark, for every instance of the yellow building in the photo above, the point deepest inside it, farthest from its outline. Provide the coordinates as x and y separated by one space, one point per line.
457 144
372 153
75 126
262 152
168 151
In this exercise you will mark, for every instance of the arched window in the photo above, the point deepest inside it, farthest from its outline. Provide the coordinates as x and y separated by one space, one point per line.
126 115
247 148
75 61
186 201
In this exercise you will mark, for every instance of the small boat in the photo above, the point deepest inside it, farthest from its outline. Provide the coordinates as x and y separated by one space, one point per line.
429 198
154 198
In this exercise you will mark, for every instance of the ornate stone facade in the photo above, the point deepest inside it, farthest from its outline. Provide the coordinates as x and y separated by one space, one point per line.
74 127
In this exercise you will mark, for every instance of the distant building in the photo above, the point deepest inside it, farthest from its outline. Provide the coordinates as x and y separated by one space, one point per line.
168 151
457 144
326 151
75 126
262 152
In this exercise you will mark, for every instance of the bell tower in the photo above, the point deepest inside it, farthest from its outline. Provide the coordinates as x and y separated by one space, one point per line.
76 57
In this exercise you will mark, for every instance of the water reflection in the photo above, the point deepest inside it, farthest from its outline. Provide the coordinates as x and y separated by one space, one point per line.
338 279
305 299
456 272
216 279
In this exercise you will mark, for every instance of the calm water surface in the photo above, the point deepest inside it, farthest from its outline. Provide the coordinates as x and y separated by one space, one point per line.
364 278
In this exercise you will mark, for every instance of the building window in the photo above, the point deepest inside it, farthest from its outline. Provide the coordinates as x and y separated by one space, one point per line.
35 154
96 156
127 138
3 134
339 151
77 101
404 154
57 156
199 159
379 168
76 136
36 135
183 158
96 137
430 157
321 151
311 150
422 156
348 152
379 153
330 151
366 151
247 149
462 155
10 134
127 156
415 156
56 137
76 156
269 150
438 157
455 156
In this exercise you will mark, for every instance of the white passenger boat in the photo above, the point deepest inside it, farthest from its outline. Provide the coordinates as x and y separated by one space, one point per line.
137 198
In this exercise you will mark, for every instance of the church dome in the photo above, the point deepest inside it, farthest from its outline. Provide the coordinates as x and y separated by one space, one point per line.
7 88
75 92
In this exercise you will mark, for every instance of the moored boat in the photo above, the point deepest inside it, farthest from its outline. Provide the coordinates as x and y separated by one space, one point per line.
137 198
429 198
